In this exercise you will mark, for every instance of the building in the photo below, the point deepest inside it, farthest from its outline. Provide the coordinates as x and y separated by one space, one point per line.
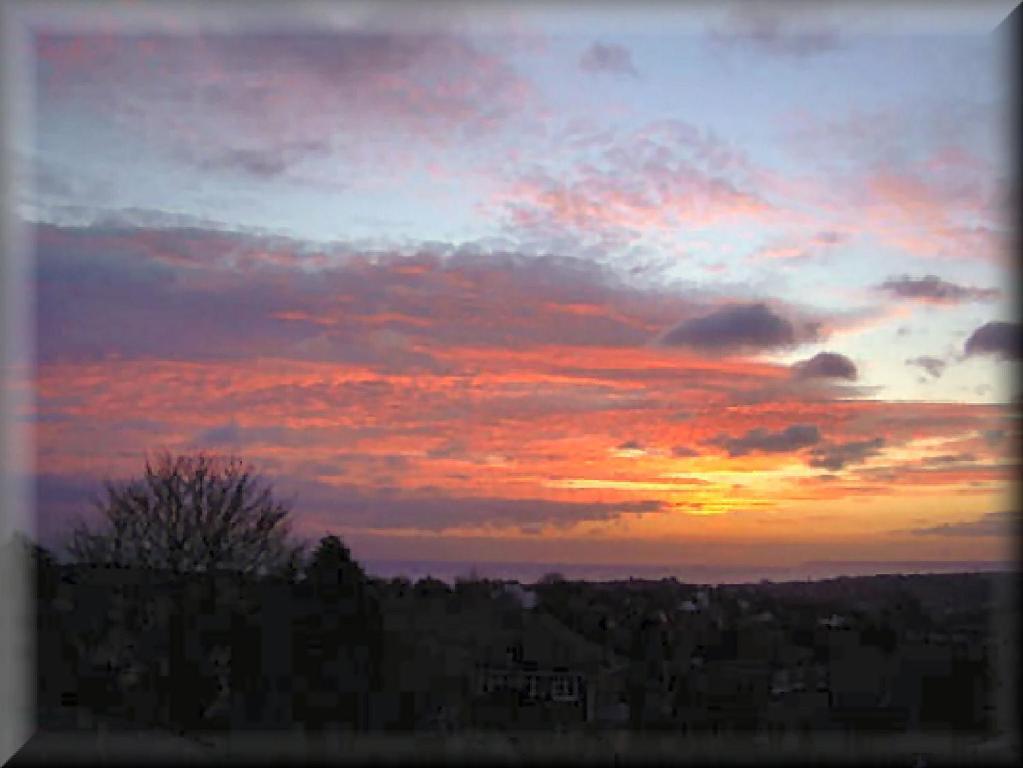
536 673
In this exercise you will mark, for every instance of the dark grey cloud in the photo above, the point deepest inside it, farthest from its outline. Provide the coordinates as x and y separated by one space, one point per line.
684 452
837 455
62 500
1001 340
774 34
190 292
108 291
935 366
991 524
267 161
113 289
993 437
829 237
761 440
453 448
825 365
630 445
739 327
231 434
933 289
427 509
949 458
608 57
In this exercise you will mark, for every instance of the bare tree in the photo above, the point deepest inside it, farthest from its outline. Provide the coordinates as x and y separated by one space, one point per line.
192 513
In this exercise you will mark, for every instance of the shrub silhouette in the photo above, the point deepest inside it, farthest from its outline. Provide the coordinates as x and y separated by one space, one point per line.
332 564
191 514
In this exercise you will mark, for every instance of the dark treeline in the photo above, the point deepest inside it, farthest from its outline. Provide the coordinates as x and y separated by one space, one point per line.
193 609
208 651
337 649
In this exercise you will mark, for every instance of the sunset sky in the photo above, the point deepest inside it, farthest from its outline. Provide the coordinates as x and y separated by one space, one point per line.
678 284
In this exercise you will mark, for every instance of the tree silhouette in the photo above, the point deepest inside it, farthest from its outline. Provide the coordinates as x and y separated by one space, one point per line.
189 514
338 641
332 563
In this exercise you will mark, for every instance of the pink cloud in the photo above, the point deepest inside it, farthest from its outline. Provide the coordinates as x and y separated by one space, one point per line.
261 103
800 248
905 180
663 176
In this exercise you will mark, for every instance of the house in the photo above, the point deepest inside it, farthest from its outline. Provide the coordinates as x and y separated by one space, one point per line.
537 672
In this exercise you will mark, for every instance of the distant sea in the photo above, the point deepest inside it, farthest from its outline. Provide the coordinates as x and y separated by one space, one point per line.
528 573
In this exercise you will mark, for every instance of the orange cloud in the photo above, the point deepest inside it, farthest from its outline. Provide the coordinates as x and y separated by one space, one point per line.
380 384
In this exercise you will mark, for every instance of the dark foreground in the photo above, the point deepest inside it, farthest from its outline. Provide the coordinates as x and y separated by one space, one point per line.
112 746
139 667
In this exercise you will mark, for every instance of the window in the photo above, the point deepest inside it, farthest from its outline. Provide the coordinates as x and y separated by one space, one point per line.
563 688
